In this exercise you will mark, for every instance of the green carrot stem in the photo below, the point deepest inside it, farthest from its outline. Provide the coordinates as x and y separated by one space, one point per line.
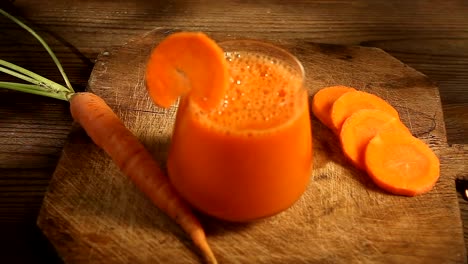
44 44
42 80
20 76
35 89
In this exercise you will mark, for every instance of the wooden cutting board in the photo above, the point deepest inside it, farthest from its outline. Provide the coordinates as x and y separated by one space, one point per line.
93 214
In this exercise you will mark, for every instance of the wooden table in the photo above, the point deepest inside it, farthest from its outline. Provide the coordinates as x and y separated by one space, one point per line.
431 36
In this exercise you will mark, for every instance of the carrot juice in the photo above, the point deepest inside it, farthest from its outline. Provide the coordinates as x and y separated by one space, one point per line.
250 157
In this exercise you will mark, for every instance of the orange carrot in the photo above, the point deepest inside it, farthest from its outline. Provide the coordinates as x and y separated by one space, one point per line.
401 164
323 101
187 63
361 127
351 102
108 132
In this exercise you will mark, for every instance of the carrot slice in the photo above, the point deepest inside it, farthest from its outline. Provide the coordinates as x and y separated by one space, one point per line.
187 63
361 127
323 101
351 102
401 164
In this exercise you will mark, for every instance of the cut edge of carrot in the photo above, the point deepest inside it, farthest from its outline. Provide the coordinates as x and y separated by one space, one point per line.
357 131
323 100
346 104
377 160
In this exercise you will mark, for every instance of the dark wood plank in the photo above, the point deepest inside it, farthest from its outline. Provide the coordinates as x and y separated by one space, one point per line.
32 135
430 36
24 243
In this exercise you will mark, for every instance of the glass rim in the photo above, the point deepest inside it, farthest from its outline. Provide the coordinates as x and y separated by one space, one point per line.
267 45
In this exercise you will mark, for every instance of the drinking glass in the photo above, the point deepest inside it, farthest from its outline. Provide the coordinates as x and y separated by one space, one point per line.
251 157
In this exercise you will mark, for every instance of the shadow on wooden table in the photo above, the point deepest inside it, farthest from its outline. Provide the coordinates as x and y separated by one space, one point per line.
25 243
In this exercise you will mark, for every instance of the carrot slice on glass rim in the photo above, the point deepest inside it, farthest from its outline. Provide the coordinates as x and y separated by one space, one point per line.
187 63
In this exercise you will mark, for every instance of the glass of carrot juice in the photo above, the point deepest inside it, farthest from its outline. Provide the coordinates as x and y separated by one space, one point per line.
251 157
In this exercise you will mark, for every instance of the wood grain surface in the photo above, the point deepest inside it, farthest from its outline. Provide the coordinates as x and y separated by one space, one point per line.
429 36
93 214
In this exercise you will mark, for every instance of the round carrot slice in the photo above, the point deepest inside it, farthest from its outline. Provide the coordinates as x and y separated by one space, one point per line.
361 127
351 102
187 63
401 164
323 101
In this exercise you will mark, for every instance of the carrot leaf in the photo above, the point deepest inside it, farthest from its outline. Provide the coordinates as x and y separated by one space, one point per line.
44 44
35 89
29 76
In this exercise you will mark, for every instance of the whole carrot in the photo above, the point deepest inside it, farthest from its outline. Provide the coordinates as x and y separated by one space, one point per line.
107 131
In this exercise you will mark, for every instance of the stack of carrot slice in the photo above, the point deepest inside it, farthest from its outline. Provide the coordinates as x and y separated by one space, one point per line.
374 139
